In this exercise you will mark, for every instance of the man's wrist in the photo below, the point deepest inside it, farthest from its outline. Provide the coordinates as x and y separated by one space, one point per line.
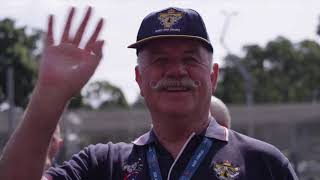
51 95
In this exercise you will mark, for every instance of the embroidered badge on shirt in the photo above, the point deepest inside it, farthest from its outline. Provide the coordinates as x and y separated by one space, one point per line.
225 170
170 18
131 171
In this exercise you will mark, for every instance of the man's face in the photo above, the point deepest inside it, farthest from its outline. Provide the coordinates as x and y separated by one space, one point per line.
175 76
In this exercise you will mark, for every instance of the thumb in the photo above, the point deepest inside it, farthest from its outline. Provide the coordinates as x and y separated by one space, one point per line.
97 48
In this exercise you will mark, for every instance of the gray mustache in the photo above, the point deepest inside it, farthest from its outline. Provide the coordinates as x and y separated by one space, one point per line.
172 82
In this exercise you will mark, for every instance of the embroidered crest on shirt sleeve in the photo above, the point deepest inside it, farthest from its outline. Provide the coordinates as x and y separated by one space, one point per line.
226 170
132 170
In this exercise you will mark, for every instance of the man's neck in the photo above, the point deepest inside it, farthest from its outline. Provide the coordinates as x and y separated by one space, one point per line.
174 133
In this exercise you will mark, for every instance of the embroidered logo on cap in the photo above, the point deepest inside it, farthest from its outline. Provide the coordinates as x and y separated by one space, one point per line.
170 18
225 170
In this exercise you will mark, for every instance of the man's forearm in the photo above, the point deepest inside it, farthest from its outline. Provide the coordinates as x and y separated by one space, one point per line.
64 70
25 152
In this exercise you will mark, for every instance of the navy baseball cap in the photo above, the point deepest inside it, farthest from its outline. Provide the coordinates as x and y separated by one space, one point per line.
172 22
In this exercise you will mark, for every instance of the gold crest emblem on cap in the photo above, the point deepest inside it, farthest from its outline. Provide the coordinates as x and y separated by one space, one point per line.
225 170
170 18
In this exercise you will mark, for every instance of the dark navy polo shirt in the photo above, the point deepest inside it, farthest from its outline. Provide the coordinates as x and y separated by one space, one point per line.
232 156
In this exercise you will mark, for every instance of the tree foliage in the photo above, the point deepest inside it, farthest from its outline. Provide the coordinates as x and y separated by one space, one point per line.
18 49
102 95
318 28
139 103
77 102
282 72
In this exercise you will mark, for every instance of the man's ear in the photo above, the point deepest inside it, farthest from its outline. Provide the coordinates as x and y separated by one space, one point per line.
138 79
214 77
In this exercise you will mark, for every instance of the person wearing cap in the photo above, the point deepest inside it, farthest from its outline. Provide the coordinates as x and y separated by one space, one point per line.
220 112
55 145
177 78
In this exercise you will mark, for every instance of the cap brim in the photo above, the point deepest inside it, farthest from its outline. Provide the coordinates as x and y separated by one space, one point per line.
140 43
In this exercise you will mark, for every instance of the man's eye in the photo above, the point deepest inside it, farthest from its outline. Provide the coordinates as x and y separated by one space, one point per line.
160 61
191 61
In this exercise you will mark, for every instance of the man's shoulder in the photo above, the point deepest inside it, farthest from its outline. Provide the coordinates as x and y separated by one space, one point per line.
110 145
261 157
94 161
255 148
109 149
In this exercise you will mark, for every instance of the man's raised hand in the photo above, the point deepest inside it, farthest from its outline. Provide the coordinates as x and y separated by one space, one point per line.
65 68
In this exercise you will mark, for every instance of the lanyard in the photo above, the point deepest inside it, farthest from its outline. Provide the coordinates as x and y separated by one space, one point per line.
191 168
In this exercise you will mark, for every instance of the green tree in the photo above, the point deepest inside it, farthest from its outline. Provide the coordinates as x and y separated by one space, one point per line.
102 95
18 49
318 28
282 72
139 103
2 97
77 102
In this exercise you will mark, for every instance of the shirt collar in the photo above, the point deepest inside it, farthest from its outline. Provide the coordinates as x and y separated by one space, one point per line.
214 130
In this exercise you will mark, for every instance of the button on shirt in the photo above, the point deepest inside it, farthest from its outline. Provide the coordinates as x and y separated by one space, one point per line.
231 156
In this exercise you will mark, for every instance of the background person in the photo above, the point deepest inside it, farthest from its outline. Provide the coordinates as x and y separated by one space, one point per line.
55 146
220 112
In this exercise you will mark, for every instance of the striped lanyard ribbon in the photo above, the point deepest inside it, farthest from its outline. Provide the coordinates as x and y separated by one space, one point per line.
193 164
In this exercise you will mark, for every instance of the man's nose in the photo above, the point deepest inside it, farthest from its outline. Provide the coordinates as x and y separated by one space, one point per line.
176 69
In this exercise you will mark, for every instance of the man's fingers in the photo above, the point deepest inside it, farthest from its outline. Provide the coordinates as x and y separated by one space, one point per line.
82 27
97 48
49 38
65 36
92 42
94 36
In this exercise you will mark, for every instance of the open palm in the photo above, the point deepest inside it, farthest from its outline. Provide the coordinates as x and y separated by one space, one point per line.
66 67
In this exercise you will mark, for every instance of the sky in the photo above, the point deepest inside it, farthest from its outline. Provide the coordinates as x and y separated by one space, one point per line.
254 22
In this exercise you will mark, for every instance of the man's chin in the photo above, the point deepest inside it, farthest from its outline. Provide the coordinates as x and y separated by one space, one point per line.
176 109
